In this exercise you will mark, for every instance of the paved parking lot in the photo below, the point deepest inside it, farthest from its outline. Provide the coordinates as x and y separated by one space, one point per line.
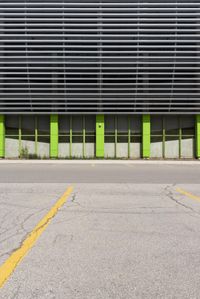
133 234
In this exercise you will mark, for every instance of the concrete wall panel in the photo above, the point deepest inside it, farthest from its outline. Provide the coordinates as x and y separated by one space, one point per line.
11 148
109 150
156 150
135 150
29 146
64 150
90 150
187 148
122 150
43 150
172 149
77 150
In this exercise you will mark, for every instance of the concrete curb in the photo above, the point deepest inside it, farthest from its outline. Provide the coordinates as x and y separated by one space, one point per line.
121 162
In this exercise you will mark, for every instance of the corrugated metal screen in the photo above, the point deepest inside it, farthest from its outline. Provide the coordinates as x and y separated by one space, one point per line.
99 56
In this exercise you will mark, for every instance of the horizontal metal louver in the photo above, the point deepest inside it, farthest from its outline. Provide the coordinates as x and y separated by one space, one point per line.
99 56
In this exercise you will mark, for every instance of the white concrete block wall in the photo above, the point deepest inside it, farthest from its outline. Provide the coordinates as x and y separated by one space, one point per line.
11 148
172 149
29 145
187 148
64 150
43 149
122 150
109 150
89 150
156 149
135 150
77 150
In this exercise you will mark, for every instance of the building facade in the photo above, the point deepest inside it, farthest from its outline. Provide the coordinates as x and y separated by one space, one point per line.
100 78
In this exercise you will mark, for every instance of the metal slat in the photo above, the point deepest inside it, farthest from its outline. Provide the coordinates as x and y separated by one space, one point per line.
99 56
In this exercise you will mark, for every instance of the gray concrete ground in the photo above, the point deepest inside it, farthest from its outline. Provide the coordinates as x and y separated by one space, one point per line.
118 237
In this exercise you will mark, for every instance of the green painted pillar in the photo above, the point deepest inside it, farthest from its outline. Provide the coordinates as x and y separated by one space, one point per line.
146 135
2 136
54 136
100 136
198 136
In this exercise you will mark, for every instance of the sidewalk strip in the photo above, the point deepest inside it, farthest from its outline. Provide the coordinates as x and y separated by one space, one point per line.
7 268
190 195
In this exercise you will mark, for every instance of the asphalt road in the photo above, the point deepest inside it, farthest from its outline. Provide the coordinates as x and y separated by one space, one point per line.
100 173
124 239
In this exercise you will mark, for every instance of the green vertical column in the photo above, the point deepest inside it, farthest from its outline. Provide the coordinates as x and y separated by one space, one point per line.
2 136
180 138
116 135
198 136
54 136
70 137
99 136
164 137
20 136
36 136
146 135
129 137
83 136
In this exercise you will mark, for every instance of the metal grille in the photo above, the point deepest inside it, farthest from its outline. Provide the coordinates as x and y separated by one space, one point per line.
99 56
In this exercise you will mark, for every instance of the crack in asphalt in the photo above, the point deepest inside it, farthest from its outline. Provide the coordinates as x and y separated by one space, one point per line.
21 226
171 196
35 231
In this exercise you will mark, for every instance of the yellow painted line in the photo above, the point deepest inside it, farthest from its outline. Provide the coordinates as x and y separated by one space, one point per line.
188 194
15 258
